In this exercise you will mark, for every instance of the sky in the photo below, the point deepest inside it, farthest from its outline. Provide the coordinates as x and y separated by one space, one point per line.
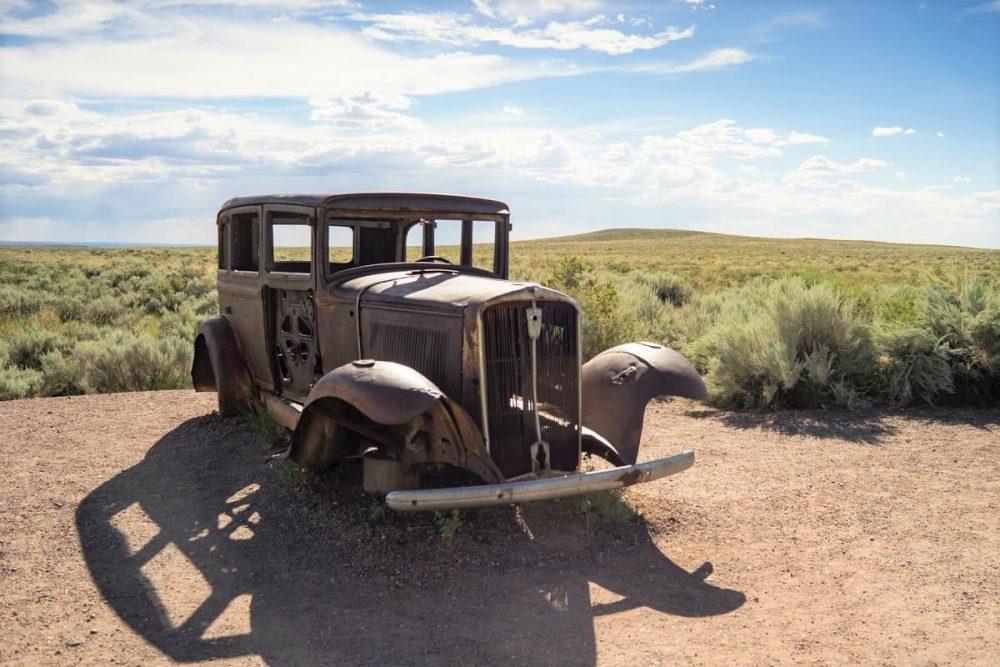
134 121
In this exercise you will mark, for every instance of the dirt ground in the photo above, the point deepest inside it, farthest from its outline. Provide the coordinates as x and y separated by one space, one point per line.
141 528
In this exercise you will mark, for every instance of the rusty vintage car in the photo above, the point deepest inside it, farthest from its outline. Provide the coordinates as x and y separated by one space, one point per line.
341 316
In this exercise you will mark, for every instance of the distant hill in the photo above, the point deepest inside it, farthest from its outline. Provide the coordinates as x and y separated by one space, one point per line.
667 234
709 259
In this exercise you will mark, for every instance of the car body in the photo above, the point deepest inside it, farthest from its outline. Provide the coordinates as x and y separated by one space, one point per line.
338 316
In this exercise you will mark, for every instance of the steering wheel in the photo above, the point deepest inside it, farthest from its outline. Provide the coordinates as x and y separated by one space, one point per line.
435 258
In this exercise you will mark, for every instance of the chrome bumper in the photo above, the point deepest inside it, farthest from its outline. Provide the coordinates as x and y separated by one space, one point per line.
466 497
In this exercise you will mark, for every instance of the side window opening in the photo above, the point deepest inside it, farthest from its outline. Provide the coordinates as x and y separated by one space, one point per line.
223 247
291 245
483 243
245 239
340 246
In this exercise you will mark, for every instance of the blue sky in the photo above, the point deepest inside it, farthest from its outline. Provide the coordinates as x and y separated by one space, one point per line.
133 122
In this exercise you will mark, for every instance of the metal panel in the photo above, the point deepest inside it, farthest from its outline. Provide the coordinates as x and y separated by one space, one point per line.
509 408
429 348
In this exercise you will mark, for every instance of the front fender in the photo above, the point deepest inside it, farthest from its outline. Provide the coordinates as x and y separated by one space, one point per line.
219 366
618 383
394 407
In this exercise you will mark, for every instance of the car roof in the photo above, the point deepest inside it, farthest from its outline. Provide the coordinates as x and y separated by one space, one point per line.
395 202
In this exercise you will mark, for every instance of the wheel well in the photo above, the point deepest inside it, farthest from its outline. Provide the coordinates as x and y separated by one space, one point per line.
202 373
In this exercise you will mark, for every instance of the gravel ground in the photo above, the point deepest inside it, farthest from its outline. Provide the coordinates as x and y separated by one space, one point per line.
142 528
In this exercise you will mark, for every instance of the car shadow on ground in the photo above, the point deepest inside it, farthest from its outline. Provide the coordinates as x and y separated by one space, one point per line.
869 426
205 552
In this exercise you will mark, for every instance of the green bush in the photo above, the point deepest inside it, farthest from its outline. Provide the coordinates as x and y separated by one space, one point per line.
605 321
25 348
116 364
915 365
669 289
18 301
782 343
953 354
19 383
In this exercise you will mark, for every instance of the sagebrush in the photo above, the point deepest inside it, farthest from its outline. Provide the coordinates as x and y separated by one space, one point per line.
768 322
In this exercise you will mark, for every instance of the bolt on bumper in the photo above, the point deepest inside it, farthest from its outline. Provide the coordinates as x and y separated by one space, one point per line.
549 488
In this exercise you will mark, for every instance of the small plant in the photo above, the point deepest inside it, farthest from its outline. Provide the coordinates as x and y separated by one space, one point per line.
263 424
377 513
608 507
447 524
298 478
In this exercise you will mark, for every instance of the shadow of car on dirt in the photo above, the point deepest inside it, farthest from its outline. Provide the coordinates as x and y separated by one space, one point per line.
203 551
866 426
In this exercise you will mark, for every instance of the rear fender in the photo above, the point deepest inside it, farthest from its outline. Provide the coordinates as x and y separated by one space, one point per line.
219 366
619 382
394 407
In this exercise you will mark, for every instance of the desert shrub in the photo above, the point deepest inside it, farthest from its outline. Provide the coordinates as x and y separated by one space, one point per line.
119 364
669 288
914 365
19 383
605 321
102 310
953 354
18 301
25 348
783 343
571 273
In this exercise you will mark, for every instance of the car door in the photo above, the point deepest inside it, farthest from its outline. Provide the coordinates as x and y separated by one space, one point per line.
289 287
239 282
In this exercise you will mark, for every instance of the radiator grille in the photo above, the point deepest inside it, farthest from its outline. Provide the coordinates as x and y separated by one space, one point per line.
510 416
423 350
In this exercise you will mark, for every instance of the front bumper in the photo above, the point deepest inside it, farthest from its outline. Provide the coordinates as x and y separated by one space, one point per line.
548 488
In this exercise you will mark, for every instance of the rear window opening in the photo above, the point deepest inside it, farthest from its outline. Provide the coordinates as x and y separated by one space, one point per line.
245 234
340 246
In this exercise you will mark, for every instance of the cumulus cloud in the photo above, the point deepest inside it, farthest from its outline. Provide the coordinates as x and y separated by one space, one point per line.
892 131
191 159
802 138
512 110
366 110
820 164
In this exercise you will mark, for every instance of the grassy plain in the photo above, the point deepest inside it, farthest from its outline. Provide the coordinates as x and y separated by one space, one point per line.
768 321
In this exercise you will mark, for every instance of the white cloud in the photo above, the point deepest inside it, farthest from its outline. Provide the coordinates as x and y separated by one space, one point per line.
512 111
820 164
315 62
985 8
697 4
712 61
185 162
796 138
512 9
940 135
460 30
365 110
892 131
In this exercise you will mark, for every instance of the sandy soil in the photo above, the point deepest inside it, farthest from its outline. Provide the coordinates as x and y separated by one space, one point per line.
141 528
